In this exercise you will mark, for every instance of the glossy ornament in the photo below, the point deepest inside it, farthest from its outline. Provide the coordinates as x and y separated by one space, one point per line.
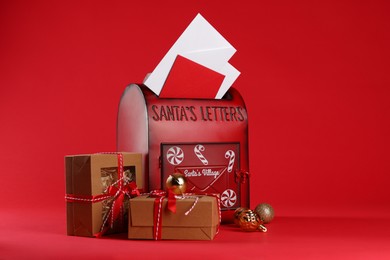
177 183
248 220
265 212
237 214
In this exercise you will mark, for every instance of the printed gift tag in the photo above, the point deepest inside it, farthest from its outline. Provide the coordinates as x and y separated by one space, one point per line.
208 167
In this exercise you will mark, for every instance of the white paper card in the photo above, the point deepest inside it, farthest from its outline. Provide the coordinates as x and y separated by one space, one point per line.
201 43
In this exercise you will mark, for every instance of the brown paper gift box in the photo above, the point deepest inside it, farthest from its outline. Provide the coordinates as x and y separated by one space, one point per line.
200 224
90 175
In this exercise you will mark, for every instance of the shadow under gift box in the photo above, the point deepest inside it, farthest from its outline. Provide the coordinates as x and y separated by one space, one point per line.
90 175
205 139
201 223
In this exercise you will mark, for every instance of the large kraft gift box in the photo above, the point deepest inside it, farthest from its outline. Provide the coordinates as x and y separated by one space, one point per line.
92 187
201 222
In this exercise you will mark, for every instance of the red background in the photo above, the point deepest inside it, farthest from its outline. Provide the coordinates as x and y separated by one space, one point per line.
315 78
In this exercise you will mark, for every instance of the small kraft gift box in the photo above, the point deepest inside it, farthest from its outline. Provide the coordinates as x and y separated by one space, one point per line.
98 188
195 218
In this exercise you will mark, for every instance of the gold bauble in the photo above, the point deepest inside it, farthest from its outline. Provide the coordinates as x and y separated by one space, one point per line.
237 214
248 220
177 183
265 212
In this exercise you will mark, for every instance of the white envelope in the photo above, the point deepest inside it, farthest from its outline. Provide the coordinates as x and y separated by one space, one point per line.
201 43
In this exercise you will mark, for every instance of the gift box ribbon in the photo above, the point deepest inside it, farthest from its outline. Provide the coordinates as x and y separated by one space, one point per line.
117 193
159 196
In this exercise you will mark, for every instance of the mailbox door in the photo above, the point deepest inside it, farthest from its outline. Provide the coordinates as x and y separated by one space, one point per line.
208 167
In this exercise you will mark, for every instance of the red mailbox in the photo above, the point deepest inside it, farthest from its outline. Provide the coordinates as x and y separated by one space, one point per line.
204 139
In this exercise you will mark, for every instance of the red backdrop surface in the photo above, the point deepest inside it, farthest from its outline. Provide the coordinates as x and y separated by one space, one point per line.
315 78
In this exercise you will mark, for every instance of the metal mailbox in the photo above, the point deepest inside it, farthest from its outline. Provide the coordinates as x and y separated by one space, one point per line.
204 139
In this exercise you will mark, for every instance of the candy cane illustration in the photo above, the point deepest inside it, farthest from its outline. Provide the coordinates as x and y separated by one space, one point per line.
198 149
175 155
228 198
230 154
